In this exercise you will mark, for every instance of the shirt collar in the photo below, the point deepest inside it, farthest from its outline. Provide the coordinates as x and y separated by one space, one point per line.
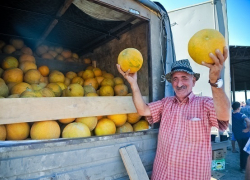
188 99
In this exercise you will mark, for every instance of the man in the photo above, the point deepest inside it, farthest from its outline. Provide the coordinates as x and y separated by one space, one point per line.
240 128
246 109
184 140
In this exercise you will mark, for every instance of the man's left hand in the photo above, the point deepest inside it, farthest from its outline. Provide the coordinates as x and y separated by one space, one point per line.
215 69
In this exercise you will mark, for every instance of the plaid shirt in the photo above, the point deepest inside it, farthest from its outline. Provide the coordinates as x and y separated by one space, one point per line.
184 140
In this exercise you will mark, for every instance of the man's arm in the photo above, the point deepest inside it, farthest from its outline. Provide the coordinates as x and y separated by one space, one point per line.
221 101
248 125
140 105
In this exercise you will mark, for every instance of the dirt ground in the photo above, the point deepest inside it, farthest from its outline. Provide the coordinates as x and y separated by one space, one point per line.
232 168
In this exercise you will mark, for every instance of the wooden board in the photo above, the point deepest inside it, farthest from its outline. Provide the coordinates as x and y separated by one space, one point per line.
14 110
133 164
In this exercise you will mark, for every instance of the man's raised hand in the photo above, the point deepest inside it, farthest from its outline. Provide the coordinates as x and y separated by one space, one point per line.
215 69
131 78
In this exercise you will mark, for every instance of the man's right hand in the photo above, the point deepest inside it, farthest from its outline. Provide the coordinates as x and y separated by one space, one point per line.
131 78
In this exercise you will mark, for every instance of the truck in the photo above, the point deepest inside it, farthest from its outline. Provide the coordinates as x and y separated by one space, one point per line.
99 30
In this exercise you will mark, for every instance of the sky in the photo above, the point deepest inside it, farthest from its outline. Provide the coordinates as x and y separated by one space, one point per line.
238 12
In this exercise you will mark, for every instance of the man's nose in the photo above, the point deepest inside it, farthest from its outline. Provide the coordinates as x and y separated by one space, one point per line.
179 84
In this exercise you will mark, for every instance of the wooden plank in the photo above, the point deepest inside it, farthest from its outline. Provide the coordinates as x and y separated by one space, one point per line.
14 110
133 164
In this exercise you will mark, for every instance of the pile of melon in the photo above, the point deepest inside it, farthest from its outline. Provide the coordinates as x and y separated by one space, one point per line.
74 127
18 47
22 78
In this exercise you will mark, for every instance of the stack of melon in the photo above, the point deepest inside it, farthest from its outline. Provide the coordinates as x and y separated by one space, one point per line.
58 53
16 47
74 127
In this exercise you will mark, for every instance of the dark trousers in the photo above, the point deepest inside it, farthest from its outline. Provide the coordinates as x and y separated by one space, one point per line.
243 154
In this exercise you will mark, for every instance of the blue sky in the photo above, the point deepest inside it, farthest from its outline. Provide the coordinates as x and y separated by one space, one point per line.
238 12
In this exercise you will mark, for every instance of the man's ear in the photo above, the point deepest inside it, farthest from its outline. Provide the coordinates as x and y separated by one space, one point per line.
194 81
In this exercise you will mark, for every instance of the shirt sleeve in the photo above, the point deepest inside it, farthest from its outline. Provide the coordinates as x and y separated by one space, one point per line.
155 110
243 116
213 121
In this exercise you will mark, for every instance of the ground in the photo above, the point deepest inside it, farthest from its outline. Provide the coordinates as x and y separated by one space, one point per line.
232 171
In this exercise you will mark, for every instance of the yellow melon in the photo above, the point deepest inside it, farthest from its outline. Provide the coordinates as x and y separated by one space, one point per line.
41 50
87 61
88 74
3 132
141 125
56 77
99 79
62 86
77 80
26 50
25 66
124 128
27 57
133 118
17 131
89 121
45 130
67 120
47 92
119 119
19 88
74 90
14 75
118 80
108 76
204 42
17 43
80 73
71 75
121 90
91 81
59 57
55 88
105 126
74 130
66 54
47 56
108 82
97 72
91 94
106 91
32 76
130 58
9 62
9 49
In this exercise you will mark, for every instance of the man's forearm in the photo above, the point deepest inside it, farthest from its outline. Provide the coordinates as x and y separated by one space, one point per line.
140 105
221 104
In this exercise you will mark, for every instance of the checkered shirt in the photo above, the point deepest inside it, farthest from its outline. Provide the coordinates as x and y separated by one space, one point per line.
184 140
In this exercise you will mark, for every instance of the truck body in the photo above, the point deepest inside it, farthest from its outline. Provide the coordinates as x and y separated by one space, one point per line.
140 24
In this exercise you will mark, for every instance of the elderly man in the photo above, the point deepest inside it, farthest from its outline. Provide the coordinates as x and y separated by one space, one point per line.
184 145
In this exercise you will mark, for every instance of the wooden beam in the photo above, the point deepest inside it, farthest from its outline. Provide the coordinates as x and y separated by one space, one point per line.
15 110
54 22
133 164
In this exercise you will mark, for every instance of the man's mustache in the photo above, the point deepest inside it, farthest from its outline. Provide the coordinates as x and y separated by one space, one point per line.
182 87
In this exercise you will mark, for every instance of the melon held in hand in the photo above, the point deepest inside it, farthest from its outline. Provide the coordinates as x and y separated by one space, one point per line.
204 42
130 58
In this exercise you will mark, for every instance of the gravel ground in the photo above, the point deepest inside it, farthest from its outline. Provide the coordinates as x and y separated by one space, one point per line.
232 170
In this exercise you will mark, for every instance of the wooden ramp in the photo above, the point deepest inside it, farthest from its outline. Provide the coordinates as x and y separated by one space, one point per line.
133 164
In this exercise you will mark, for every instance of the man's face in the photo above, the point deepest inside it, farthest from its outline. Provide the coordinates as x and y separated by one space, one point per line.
182 83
